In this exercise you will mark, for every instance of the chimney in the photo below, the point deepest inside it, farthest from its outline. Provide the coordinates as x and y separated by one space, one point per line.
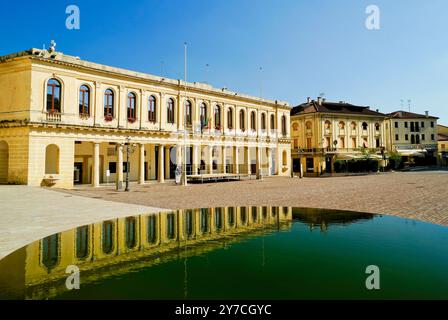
323 100
308 100
377 110
319 101
427 114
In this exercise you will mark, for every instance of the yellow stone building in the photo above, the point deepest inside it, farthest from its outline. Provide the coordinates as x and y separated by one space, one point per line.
64 121
323 132
442 133
413 136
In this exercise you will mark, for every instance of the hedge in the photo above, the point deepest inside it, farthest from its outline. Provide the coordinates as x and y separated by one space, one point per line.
361 165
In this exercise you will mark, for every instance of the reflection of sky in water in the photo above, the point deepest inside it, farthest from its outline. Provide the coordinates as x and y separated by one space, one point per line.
249 252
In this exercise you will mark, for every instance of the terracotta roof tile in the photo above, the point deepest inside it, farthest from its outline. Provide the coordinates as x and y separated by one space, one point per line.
408 115
334 107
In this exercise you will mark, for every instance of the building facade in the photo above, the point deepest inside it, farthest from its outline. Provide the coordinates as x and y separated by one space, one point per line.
413 136
442 142
323 132
65 121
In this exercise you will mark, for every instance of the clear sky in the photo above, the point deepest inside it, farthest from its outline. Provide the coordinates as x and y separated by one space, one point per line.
304 47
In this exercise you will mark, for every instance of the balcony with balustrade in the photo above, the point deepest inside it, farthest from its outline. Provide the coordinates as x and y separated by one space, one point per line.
53 117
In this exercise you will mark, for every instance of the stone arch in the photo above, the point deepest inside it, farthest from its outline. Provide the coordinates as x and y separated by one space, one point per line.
364 125
4 162
308 125
295 126
52 159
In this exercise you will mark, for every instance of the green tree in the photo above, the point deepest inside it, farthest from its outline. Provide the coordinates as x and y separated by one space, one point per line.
395 159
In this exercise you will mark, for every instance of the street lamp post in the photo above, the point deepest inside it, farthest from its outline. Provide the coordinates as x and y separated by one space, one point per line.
383 156
129 150
184 158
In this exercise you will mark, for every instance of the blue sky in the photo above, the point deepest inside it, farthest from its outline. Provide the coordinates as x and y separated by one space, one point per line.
304 47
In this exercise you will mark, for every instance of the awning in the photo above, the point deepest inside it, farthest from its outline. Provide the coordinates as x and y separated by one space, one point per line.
413 153
348 157
357 157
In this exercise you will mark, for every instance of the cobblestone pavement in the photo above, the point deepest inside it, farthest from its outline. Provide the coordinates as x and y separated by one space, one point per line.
416 195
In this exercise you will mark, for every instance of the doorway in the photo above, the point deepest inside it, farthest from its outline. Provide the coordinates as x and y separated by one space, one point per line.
156 162
296 165
173 165
77 174
328 168
190 160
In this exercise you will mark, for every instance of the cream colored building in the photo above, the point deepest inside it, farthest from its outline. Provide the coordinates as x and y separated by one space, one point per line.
323 132
413 136
442 134
64 120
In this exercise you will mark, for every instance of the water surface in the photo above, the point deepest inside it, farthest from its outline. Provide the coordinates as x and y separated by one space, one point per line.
235 253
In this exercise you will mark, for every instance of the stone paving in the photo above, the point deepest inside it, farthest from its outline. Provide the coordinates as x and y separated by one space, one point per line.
416 195
28 214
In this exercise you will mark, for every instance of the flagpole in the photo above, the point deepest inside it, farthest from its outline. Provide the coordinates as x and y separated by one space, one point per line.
184 177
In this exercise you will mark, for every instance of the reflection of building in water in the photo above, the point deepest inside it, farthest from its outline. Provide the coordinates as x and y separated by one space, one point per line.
105 249
323 218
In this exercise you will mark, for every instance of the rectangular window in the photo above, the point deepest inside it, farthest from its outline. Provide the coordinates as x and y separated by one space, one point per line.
412 126
423 136
406 137
308 143
432 124
406 125
422 124
377 143
396 137
432 137
417 127
113 167
396 124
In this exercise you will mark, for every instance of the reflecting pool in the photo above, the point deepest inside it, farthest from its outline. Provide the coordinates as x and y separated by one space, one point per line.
235 253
